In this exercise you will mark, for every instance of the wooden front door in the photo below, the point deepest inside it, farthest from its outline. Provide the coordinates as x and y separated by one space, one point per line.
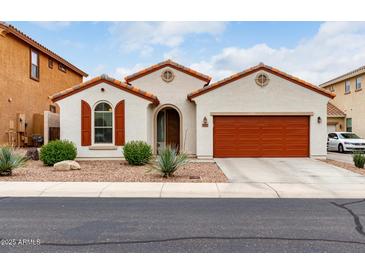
168 129
172 128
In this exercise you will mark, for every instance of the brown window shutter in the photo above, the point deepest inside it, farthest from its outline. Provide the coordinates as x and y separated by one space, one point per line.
119 124
85 124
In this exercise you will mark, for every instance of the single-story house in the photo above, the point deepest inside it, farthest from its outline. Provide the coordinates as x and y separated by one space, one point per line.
259 112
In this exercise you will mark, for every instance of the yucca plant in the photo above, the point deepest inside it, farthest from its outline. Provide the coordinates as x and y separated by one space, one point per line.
359 159
10 160
169 161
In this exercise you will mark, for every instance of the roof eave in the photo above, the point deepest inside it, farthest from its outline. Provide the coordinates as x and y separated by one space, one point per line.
172 64
69 92
255 69
17 33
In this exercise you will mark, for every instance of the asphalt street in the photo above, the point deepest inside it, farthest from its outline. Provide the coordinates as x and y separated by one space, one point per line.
181 225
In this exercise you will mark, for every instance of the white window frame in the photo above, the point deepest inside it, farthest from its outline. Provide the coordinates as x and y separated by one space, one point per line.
93 125
358 80
349 86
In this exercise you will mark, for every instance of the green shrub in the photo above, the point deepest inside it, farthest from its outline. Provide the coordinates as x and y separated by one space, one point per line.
359 159
169 161
58 151
10 160
137 153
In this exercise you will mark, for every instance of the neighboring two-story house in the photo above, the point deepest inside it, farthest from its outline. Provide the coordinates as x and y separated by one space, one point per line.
29 73
350 100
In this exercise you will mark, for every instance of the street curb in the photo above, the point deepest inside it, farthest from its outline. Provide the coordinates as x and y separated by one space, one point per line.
180 190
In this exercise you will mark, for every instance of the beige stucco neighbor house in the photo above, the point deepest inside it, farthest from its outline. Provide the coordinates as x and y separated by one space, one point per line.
260 112
350 99
335 118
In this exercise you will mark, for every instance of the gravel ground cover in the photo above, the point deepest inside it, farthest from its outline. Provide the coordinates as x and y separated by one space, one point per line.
116 171
347 166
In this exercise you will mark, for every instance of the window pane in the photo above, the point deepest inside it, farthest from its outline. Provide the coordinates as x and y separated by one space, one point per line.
34 58
349 124
358 83
103 135
35 71
103 107
103 119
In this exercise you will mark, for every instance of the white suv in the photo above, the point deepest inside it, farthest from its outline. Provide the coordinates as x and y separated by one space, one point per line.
345 141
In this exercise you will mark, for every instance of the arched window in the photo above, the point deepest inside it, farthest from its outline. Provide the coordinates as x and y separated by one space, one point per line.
103 124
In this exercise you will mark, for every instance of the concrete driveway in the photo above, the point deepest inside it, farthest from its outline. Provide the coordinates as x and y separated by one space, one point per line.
341 157
285 171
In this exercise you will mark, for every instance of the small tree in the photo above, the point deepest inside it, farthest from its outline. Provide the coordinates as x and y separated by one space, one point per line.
9 160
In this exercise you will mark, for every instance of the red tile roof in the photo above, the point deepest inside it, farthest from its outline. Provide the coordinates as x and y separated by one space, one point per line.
104 79
254 69
25 38
168 63
333 111
344 77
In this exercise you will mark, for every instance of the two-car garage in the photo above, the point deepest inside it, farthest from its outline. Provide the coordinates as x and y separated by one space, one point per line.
260 136
261 112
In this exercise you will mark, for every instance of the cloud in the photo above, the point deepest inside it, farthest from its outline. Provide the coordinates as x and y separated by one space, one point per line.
121 72
143 36
52 25
336 48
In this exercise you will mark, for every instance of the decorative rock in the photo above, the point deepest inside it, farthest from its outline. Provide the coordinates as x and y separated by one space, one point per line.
32 153
66 165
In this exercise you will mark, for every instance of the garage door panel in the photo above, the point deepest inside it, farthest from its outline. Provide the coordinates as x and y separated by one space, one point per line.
261 136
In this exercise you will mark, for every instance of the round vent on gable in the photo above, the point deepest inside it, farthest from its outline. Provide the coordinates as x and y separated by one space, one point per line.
262 79
167 75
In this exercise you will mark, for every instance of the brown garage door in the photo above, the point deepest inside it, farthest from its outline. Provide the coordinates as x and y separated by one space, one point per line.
261 136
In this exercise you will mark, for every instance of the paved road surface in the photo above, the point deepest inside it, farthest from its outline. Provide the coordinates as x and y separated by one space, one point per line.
181 225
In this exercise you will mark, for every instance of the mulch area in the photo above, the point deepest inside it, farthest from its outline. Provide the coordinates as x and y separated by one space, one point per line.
347 166
116 171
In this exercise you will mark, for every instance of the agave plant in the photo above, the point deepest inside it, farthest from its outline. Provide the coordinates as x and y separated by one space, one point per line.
168 161
10 160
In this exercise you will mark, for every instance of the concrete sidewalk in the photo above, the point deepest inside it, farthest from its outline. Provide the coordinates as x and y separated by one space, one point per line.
183 190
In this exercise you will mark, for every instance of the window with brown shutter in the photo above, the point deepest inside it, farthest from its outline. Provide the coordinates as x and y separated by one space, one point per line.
119 124
85 124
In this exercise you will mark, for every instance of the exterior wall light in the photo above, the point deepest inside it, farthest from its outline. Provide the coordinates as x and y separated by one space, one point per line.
205 122
319 119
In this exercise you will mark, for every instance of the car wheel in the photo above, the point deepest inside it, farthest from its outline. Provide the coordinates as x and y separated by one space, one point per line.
340 148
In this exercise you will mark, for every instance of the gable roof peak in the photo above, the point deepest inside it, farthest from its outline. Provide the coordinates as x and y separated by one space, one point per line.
171 64
104 78
254 69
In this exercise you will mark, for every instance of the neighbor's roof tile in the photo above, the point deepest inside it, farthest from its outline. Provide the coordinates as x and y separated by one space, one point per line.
25 38
333 111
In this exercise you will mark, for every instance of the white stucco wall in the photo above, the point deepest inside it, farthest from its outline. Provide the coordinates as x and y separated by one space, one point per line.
244 95
136 127
50 120
174 93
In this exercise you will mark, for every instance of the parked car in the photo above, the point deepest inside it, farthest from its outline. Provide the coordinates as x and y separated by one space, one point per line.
345 141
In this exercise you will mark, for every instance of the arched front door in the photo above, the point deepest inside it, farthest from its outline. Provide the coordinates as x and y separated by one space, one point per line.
168 128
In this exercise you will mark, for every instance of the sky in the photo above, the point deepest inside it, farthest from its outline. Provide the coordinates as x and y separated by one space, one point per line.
313 51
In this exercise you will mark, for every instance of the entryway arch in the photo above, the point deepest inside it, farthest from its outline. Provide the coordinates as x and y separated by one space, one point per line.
168 127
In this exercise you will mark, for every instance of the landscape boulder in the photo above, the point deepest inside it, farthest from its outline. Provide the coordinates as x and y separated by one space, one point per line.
66 165
32 153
